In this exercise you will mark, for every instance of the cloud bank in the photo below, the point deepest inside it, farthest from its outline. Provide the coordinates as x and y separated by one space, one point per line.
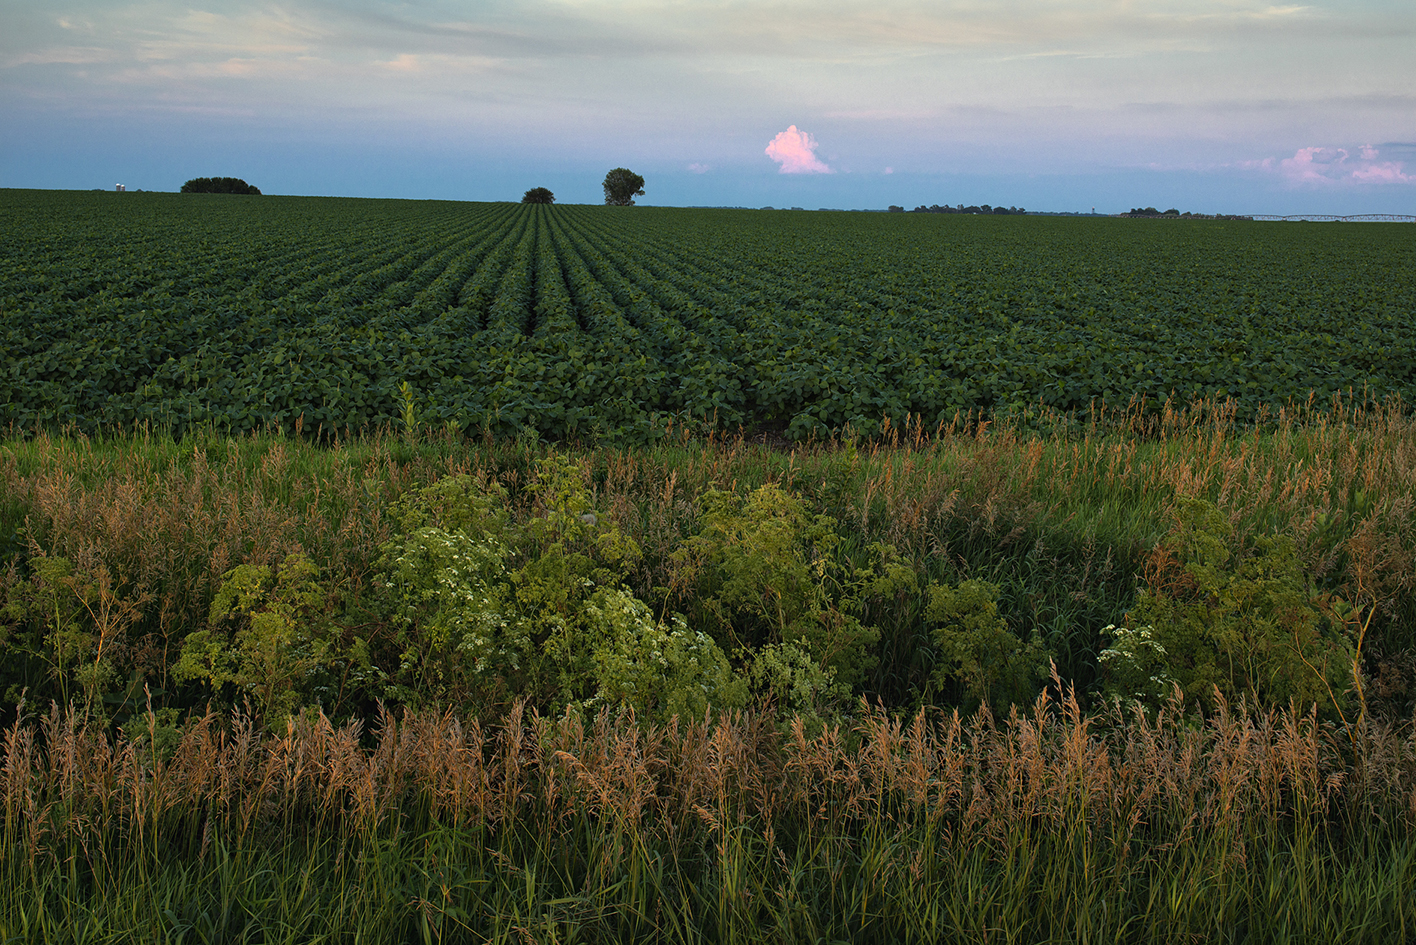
1320 166
795 152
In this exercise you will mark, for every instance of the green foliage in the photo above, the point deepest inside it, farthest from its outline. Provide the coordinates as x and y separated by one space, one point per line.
580 323
44 620
485 609
444 581
788 677
565 526
538 195
977 648
764 571
474 505
279 642
660 669
219 185
1239 617
570 554
453 608
762 560
621 187
1136 666
154 734
70 625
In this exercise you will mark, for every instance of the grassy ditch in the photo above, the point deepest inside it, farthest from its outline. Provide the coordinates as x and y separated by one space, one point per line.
1147 677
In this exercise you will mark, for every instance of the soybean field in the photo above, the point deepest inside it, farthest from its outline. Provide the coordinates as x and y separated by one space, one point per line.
587 322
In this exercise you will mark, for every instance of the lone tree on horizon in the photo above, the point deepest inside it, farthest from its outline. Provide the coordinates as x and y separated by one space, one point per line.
219 185
621 187
538 195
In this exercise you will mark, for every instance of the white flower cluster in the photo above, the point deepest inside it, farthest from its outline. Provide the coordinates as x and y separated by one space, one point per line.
462 582
1137 664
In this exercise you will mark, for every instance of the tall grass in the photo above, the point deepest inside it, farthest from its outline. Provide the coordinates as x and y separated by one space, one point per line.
1048 825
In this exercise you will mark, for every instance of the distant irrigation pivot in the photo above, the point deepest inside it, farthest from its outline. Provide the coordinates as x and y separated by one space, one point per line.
1350 218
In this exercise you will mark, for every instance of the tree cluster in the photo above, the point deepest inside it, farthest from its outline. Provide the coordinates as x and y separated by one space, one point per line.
621 187
219 185
960 208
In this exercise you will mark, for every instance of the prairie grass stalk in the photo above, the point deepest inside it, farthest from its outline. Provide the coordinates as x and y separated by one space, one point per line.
1047 824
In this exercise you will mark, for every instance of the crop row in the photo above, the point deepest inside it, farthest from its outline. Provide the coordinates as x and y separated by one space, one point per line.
575 320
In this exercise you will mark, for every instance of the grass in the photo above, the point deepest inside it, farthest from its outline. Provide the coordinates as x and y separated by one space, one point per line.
1049 825
1066 820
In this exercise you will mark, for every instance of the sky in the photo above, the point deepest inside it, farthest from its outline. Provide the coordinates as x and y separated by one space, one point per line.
1227 106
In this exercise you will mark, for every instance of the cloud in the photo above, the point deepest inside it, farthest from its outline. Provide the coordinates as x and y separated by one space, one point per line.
1387 172
1311 165
61 55
795 151
699 168
1319 166
404 62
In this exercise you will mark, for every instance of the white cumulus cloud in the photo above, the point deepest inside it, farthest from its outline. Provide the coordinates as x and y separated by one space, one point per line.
795 153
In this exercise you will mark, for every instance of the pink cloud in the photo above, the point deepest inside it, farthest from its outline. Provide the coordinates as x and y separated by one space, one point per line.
1326 166
1311 165
1387 172
795 151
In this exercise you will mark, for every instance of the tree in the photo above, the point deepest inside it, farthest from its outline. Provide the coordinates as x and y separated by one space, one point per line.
621 187
538 195
219 185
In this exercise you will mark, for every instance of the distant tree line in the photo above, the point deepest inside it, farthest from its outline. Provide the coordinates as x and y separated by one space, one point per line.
1173 214
960 208
219 185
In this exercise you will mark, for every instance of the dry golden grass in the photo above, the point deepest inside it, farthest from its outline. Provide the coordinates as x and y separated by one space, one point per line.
969 781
